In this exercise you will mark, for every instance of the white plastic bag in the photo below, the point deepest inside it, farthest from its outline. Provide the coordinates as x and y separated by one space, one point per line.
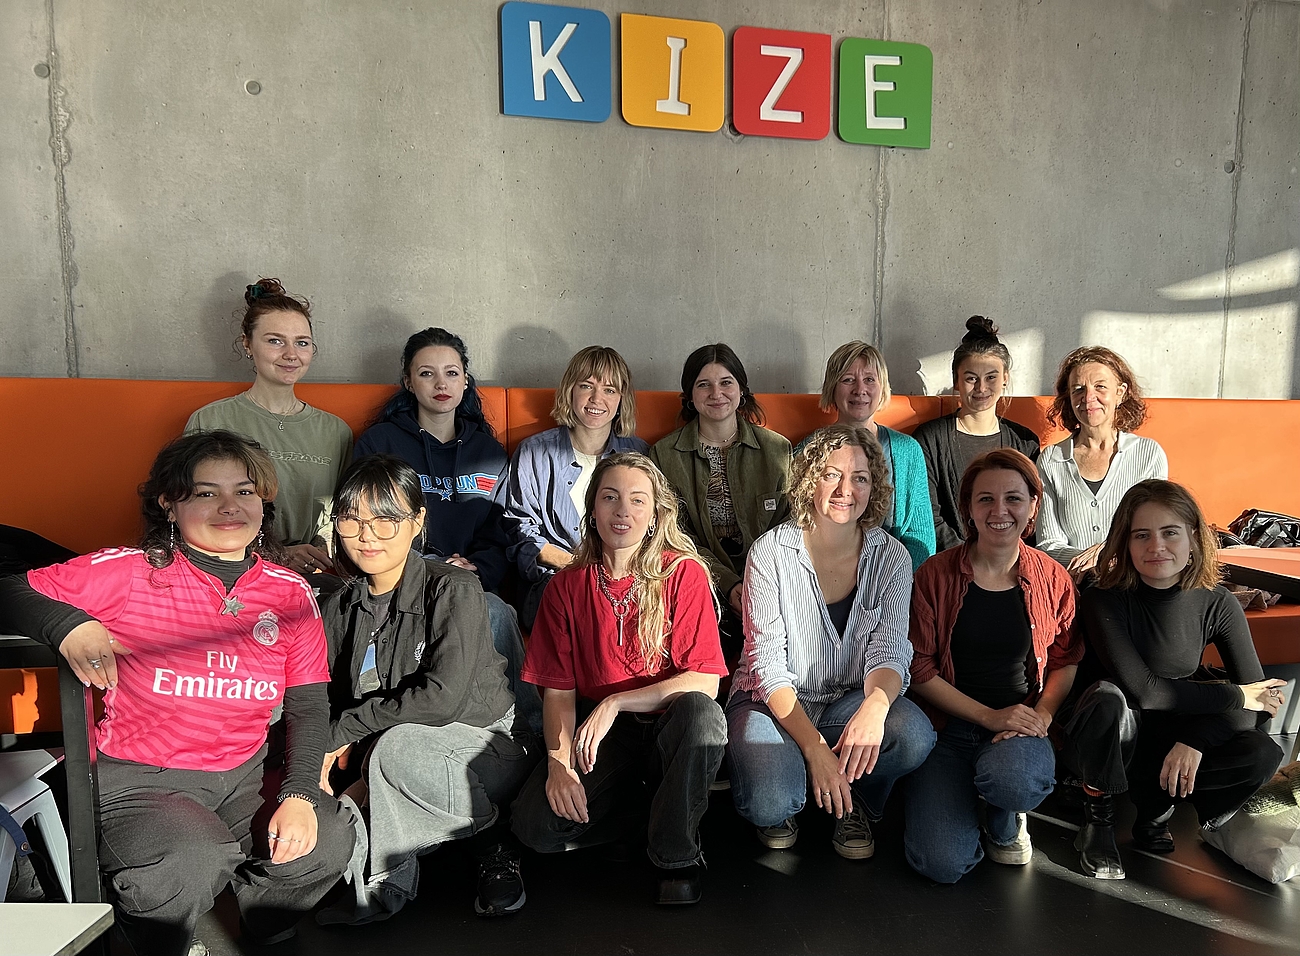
1264 835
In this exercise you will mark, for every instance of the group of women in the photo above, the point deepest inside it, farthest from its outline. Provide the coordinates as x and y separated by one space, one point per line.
859 659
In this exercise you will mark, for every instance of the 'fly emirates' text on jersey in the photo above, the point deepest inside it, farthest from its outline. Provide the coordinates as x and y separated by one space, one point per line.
198 688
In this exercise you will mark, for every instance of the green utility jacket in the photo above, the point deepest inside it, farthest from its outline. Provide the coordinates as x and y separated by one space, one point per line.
758 474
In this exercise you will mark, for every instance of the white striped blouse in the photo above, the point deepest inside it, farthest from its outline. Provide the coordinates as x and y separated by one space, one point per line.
789 638
1070 517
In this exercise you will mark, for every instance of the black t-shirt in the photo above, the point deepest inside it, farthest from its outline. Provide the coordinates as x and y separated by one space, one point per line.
991 644
840 610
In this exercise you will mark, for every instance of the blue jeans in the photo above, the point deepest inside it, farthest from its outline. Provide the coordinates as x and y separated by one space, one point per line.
769 780
509 643
942 835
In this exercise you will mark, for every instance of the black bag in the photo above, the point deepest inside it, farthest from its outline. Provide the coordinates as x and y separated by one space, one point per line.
1266 529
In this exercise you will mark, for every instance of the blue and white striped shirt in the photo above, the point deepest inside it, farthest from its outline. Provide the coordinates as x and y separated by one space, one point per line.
789 638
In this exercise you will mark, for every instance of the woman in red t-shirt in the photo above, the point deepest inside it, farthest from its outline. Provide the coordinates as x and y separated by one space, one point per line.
626 648
196 638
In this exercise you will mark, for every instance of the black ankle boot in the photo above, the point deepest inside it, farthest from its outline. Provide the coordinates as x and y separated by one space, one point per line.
1153 836
1098 854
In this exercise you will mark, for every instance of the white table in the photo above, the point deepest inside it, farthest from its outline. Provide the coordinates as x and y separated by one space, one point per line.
52 929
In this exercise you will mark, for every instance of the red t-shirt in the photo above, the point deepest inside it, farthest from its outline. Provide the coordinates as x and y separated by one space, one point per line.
574 643
198 688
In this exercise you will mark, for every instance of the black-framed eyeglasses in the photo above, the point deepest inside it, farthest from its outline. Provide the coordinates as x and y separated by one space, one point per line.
382 527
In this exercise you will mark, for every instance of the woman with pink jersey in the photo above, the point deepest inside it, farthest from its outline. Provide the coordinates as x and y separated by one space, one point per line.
196 638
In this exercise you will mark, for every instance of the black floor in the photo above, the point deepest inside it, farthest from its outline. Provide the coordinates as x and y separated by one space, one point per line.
808 900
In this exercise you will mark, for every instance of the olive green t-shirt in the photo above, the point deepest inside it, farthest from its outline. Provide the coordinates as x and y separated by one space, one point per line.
310 451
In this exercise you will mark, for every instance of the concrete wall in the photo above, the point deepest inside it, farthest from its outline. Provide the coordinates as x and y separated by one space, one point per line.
1121 171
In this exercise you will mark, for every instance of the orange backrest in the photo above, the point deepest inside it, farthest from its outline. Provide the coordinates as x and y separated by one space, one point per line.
1232 454
794 416
77 449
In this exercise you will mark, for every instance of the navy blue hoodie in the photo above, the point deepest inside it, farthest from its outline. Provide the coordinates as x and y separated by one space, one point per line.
458 479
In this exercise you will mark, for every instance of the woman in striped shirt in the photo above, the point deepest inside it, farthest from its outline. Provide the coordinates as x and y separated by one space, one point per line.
1086 475
817 694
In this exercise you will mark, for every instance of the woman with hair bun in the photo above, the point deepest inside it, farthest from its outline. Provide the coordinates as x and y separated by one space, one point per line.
626 649
310 447
730 473
1152 721
981 370
197 638
1099 402
546 485
435 423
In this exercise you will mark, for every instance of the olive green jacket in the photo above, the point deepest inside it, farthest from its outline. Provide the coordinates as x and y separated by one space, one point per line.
758 474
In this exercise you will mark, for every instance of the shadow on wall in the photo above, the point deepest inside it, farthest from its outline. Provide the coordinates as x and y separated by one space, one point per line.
220 315
900 347
385 336
783 343
529 356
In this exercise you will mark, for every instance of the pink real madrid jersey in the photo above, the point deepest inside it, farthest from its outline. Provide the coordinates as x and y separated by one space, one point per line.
198 688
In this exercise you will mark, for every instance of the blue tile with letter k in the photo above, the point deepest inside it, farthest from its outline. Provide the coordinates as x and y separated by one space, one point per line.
555 62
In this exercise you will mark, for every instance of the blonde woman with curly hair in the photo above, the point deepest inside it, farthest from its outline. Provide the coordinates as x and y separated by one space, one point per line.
626 649
816 699
1151 720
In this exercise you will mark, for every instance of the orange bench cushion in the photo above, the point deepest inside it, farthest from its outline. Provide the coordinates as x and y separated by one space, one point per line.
77 449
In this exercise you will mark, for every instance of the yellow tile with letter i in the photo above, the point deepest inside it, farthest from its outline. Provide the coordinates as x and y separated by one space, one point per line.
674 73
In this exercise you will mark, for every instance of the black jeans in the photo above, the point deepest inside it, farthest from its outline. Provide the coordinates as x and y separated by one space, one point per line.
170 841
676 753
1115 748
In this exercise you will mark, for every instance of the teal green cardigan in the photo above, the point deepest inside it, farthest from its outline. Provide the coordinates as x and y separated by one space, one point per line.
913 520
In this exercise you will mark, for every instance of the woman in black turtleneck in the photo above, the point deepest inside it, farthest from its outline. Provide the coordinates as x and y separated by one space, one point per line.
1152 720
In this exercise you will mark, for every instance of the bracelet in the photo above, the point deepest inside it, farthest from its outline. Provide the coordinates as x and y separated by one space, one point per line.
300 795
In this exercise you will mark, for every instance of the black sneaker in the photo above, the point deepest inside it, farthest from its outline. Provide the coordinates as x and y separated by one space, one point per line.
500 887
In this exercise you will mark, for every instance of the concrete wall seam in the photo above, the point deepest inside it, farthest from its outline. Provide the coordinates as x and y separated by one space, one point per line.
60 120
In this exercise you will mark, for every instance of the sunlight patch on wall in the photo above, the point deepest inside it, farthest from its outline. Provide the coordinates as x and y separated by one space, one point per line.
1267 274
1176 356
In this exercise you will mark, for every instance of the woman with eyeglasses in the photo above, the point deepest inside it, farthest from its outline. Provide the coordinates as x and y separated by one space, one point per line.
423 739
310 447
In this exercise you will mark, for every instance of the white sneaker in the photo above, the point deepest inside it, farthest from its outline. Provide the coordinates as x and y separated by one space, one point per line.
1016 853
781 836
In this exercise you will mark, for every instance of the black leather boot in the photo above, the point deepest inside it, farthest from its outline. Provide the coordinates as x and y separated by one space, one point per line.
1098 854
1151 833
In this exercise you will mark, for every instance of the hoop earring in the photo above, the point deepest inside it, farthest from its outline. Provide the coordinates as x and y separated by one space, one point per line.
650 530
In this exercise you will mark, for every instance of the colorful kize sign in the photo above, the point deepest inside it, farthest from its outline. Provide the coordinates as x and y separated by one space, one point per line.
556 63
